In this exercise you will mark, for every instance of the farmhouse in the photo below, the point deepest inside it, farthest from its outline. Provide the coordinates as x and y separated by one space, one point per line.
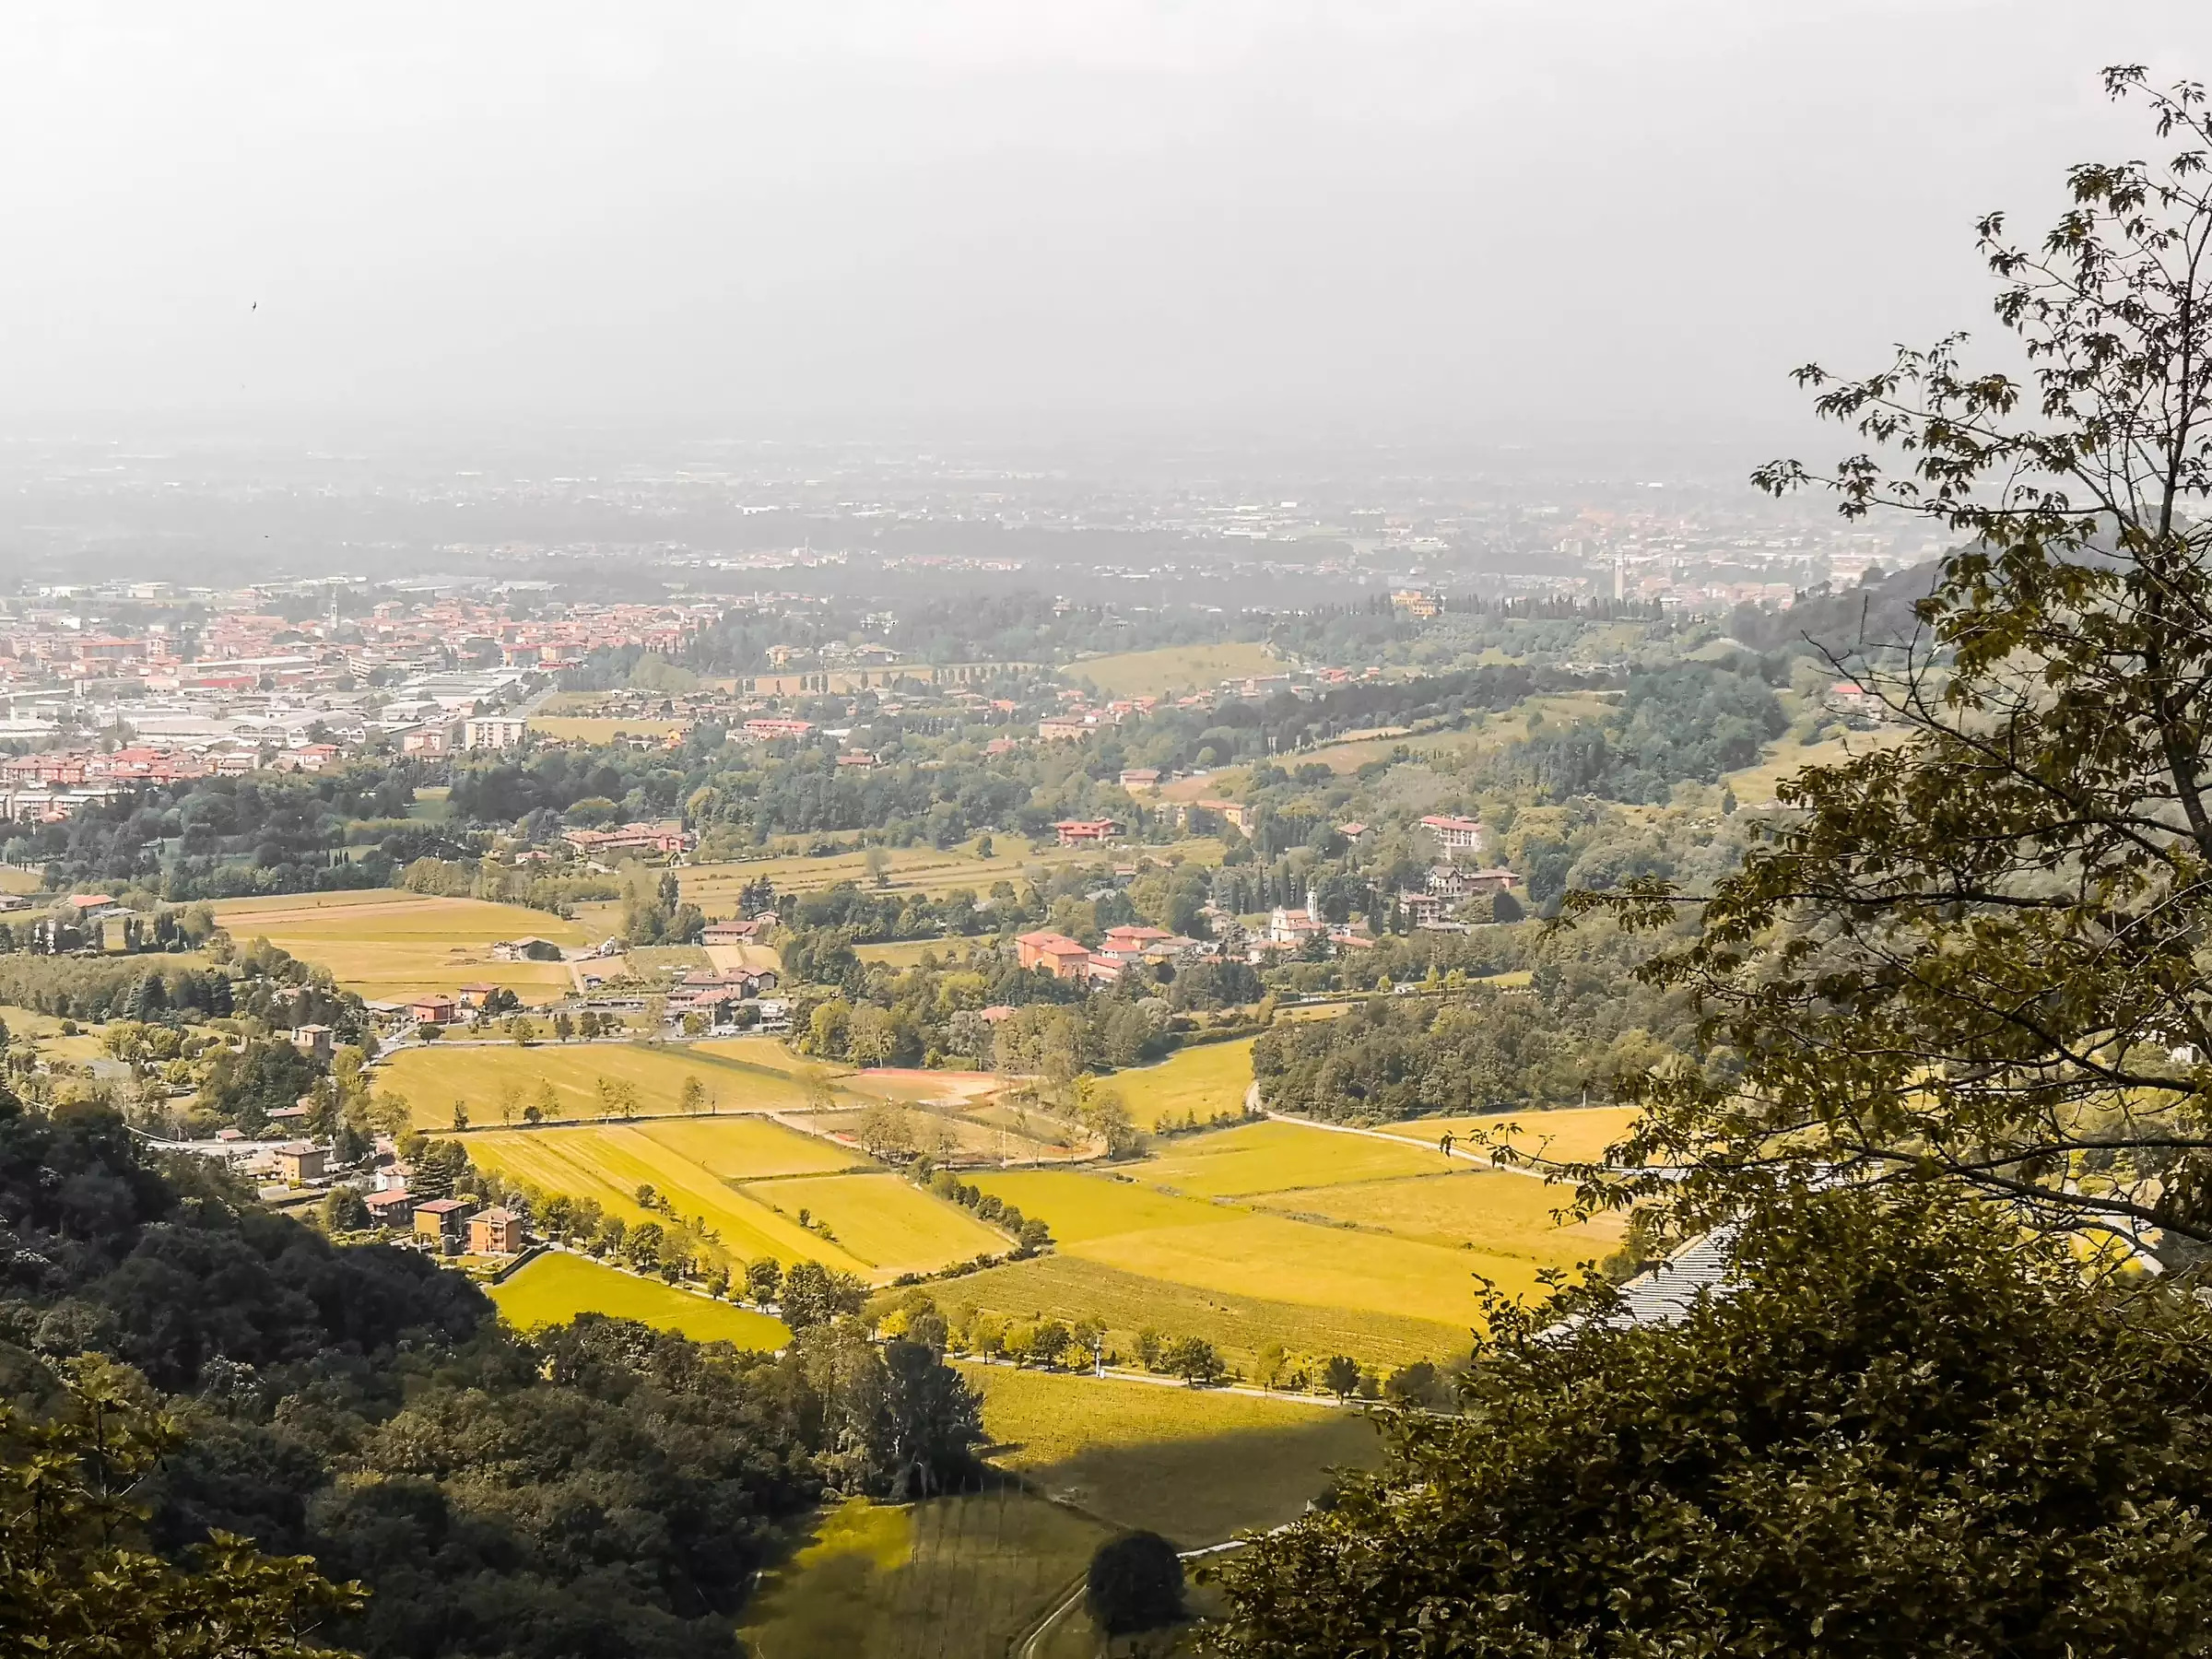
496 1232
313 1041
433 1010
1057 954
299 1162
665 840
736 933
1088 832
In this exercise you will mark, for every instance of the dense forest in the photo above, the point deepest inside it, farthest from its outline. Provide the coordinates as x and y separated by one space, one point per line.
600 1488
225 838
1580 1026
1683 722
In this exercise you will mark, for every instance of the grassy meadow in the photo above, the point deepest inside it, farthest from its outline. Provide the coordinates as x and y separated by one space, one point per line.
953 1578
557 1286
1195 1466
1204 1082
1755 784
1175 668
1067 1284
388 945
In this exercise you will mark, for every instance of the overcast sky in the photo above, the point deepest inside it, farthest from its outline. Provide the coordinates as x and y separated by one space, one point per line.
1022 214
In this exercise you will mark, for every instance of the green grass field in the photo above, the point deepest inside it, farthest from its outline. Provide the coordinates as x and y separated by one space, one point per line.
556 1287
953 1578
1234 1250
1274 1156
1281 1232
1205 1082
885 1220
1486 1210
388 946
1066 1285
744 1075
1175 668
1755 785
1194 1465
908 953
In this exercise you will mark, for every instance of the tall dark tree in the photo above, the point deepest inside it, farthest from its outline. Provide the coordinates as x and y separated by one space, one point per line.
1980 955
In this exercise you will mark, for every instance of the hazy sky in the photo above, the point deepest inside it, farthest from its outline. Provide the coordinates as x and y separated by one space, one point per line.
1022 214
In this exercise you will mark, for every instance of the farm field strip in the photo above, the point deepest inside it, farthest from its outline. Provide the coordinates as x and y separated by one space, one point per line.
609 1165
1277 1155
737 1148
557 1286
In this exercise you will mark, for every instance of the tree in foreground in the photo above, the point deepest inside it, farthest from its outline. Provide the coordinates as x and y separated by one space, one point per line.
1135 1584
1911 1429
1981 954
72 1581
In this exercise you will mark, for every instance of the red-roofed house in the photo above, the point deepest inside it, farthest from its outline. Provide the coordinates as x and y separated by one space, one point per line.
1455 834
1057 954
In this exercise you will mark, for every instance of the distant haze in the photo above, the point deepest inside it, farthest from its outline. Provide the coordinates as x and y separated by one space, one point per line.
1019 217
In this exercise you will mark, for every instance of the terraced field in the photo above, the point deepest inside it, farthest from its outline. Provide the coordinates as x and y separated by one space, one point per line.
556 1287
389 945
